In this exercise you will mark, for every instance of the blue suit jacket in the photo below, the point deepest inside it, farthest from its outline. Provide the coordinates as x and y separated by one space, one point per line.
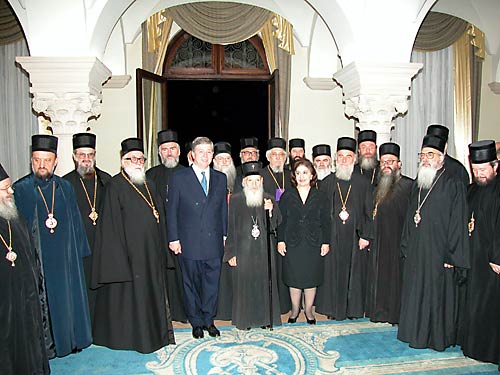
199 222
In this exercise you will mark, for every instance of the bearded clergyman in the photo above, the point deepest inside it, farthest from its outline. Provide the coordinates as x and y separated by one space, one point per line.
322 160
435 248
391 200
246 252
367 165
223 162
342 294
481 339
23 343
130 261
169 152
88 182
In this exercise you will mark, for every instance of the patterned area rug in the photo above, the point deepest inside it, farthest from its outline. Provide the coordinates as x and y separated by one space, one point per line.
348 347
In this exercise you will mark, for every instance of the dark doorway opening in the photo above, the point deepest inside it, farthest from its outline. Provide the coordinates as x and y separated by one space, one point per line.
222 110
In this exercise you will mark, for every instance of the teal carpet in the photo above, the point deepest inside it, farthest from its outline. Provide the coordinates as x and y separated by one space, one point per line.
348 347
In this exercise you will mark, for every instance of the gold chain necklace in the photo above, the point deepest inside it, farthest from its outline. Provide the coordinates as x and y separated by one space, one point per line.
150 204
11 256
373 173
51 221
417 217
93 213
276 181
344 215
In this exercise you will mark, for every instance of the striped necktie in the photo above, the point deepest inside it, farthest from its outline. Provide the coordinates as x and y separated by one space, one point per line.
204 183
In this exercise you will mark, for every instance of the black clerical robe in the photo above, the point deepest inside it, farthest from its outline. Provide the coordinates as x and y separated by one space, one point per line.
129 270
429 293
160 176
342 294
275 184
456 169
62 254
85 209
250 278
371 175
22 338
481 340
383 298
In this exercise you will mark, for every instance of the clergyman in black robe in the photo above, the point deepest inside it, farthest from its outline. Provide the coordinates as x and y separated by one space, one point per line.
249 147
276 181
367 165
246 252
169 152
130 262
88 182
343 292
23 344
383 299
435 248
481 338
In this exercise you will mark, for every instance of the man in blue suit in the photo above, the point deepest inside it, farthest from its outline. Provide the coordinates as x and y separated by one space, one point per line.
197 228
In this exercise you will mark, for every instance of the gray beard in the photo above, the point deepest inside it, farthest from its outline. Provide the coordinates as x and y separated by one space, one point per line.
367 163
230 172
322 173
84 171
386 183
136 176
169 163
254 198
425 177
276 169
8 210
343 172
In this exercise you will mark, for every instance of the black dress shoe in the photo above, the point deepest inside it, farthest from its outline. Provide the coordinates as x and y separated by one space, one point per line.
198 332
292 320
311 321
212 330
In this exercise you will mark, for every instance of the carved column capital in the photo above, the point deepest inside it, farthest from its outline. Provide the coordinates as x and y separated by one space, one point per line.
374 93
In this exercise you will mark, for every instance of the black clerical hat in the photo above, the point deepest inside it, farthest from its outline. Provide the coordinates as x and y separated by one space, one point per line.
346 143
389 148
83 140
249 142
439 130
321 150
132 144
3 173
276 142
44 142
296 142
222 148
482 152
250 168
168 135
434 141
367 135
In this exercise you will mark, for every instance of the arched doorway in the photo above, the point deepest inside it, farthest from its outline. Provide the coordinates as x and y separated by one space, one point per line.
225 92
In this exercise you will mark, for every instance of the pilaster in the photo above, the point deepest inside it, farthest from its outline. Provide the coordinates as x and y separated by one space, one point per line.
375 93
68 91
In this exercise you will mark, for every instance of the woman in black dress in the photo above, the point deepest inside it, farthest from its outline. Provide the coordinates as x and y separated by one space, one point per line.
303 237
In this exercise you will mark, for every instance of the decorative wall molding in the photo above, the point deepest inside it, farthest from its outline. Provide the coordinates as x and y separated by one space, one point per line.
315 83
495 87
117 82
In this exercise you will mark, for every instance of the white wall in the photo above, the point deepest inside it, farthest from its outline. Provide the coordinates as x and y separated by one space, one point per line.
489 120
118 117
315 115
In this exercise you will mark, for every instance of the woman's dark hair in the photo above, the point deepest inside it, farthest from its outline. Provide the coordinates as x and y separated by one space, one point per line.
307 163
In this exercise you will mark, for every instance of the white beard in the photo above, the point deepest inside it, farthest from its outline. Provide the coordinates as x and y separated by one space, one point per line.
136 176
425 176
367 163
276 169
254 198
344 172
83 170
230 172
169 163
323 172
8 209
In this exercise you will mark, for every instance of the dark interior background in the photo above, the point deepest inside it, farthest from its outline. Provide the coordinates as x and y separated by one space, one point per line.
221 110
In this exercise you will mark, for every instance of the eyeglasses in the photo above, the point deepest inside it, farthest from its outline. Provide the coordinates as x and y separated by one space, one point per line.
278 154
136 160
388 161
428 155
